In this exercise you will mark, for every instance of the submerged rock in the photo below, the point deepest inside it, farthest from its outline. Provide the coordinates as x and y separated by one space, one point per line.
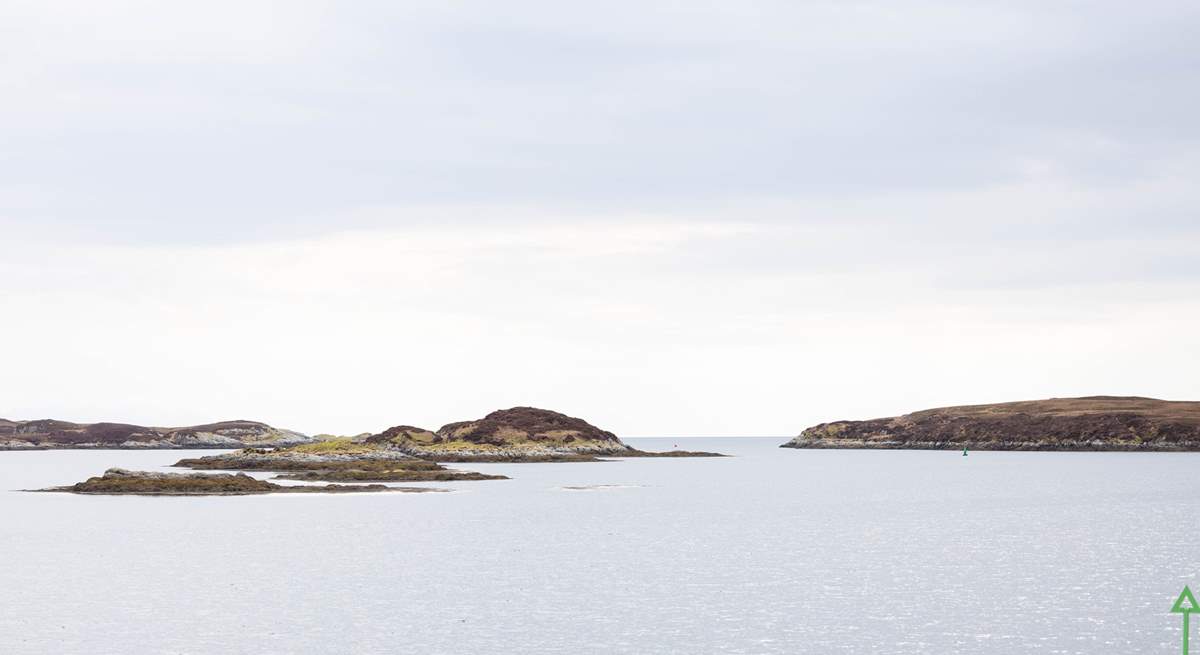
49 433
1093 423
148 483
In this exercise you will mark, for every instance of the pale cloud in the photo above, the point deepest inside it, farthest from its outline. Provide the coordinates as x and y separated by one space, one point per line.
639 325
245 121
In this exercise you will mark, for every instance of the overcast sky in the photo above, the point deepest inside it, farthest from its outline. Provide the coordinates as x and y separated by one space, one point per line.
736 219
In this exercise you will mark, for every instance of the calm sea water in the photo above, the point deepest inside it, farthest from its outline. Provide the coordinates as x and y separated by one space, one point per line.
771 551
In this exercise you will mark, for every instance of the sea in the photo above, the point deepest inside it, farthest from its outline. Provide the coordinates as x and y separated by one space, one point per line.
769 550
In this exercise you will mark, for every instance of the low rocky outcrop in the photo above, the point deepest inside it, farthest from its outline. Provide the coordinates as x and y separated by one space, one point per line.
338 460
146 483
49 433
519 434
1093 423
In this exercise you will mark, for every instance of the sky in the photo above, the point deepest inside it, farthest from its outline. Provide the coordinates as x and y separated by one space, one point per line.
667 218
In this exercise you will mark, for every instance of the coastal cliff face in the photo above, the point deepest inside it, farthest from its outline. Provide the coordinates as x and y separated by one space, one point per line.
48 433
519 433
1093 423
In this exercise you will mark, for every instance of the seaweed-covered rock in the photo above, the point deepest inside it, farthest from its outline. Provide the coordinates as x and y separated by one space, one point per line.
149 483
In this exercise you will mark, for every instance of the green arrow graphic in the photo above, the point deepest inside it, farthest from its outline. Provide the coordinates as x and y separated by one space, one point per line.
1185 605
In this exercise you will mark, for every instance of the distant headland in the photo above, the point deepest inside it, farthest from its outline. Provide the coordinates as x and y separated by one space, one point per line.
1092 423
52 434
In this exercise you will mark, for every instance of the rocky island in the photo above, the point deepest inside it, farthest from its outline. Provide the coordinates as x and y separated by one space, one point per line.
1093 423
48 433
144 483
336 460
399 454
519 434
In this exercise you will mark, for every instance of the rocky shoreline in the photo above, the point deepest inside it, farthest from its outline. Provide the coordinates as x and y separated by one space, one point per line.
1093 423
1066 445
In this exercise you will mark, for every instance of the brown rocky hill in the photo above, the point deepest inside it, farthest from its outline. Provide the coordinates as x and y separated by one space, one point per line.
49 433
516 433
522 424
1090 423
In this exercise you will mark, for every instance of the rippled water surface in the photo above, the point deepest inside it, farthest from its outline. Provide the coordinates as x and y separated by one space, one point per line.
770 551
